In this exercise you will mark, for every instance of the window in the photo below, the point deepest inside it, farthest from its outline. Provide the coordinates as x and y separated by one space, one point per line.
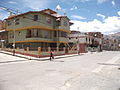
17 22
35 17
47 34
34 32
62 34
28 34
11 35
48 20
89 40
65 23
8 23
38 33
19 33
55 33
86 39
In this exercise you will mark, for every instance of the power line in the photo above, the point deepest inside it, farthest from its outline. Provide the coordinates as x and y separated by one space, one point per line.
15 12
9 9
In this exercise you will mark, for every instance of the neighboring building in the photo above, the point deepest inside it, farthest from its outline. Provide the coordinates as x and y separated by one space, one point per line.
97 41
2 25
38 29
86 41
110 43
3 38
80 41
3 35
115 36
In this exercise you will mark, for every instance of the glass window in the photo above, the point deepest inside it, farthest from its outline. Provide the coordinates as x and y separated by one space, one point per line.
17 22
35 17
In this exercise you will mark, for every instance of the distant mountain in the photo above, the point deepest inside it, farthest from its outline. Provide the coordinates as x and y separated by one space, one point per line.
115 35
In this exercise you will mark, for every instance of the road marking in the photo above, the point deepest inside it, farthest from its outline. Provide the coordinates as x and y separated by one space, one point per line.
111 61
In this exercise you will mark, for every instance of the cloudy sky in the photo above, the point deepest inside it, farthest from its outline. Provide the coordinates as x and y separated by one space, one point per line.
88 15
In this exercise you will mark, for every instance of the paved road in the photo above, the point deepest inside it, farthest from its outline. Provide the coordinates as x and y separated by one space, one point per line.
98 71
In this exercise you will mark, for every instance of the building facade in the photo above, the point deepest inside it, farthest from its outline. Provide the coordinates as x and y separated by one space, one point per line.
97 41
110 43
81 41
3 35
35 29
91 41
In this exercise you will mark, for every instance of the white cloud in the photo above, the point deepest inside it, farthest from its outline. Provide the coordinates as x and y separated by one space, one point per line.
101 1
71 9
113 3
74 8
100 15
12 2
58 7
77 17
109 25
118 13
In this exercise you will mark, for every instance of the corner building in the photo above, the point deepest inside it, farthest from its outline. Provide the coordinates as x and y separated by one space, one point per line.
35 29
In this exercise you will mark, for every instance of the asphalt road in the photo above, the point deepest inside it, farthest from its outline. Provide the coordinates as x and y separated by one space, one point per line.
97 71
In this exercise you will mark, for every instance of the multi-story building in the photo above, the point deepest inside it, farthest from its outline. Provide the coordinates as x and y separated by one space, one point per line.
38 29
80 40
97 40
86 41
3 35
110 43
1 22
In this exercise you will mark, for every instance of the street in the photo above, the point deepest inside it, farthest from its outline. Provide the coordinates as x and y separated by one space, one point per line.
93 71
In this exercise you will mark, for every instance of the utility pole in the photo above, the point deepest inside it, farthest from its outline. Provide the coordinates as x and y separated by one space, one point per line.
78 49
11 12
14 36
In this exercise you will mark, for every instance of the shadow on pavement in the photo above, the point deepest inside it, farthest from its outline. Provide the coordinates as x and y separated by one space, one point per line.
109 64
41 59
12 61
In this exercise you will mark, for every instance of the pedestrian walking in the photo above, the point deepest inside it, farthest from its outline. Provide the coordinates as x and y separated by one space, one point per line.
51 55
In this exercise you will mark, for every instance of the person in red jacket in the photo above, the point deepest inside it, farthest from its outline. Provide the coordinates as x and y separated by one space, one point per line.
51 55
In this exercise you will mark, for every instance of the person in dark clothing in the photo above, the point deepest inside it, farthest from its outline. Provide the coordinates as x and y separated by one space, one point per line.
51 55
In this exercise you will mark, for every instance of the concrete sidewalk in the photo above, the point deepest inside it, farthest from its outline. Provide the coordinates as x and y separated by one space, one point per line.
35 58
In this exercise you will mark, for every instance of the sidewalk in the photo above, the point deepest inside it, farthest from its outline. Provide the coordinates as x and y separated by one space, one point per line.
35 58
